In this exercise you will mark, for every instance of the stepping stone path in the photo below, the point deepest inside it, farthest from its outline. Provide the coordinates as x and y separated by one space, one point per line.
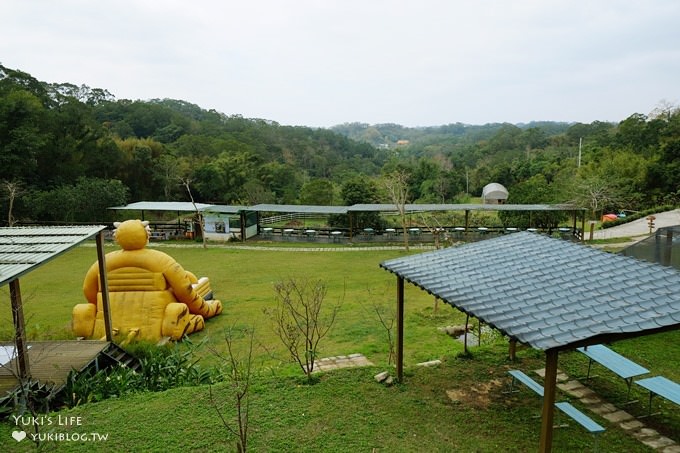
341 361
613 414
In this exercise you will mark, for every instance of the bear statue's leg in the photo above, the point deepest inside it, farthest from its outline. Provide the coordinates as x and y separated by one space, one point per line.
178 321
196 324
205 308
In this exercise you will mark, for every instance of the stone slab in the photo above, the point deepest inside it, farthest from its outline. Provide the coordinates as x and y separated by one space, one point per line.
631 425
618 416
658 442
606 408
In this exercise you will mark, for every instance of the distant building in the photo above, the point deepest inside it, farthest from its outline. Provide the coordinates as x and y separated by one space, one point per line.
403 142
494 193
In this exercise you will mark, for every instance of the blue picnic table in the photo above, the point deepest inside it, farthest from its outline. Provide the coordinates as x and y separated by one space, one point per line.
615 362
659 385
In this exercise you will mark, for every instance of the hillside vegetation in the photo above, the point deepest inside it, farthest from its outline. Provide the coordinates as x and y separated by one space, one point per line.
68 152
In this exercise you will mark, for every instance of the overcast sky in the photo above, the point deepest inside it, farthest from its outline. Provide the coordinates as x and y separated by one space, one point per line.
326 62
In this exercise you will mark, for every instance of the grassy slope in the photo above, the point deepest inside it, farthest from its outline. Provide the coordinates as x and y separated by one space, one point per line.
243 280
346 409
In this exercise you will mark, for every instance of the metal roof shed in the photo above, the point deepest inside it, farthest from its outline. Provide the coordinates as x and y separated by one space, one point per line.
528 287
24 249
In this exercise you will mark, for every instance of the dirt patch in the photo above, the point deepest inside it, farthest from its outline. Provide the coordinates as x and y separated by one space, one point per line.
478 396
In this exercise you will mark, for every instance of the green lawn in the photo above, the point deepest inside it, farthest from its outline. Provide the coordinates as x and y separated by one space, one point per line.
346 410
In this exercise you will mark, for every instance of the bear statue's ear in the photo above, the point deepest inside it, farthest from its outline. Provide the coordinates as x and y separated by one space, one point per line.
116 224
145 223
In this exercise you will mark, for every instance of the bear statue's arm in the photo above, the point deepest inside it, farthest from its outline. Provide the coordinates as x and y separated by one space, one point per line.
91 283
180 282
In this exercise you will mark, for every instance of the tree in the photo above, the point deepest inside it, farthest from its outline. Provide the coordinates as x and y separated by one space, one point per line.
87 200
12 189
238 374
595 194
535 190
358 189
301 320
199 214
23 135
396 185
317 191
139 167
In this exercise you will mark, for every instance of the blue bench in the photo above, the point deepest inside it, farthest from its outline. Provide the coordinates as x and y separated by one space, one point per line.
613 361
581 418
659 385
575 414
520 376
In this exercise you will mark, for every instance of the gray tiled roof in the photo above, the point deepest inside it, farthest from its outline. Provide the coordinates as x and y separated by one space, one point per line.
24 248
548 293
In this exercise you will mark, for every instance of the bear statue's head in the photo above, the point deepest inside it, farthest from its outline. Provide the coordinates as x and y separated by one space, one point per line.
132 234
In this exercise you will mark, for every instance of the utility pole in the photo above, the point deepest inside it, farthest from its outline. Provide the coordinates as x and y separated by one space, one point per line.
580 143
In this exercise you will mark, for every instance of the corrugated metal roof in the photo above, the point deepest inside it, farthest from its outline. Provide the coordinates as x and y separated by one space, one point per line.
546 292
226 209
181 206
462 207
177 206
300 208
24 248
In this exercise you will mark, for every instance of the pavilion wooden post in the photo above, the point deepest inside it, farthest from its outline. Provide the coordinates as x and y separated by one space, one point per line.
549 385
467 320
668 248
242 218
400 329
19 329
350 217
512 349
104 285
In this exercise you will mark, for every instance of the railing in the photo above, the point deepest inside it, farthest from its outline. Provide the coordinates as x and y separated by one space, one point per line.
288 217
416 234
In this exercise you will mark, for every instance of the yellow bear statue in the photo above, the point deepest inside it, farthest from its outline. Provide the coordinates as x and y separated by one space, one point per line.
151 296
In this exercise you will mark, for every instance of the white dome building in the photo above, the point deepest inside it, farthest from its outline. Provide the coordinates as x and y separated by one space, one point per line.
494 193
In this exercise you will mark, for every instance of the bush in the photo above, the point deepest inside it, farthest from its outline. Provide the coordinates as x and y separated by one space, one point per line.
161 368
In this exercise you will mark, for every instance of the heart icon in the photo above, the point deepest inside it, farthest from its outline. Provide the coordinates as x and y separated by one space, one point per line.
19 435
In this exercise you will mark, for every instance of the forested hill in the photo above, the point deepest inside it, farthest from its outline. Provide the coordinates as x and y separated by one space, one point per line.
67 152
58 141
390 135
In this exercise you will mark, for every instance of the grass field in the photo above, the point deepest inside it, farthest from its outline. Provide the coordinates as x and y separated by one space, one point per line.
346 410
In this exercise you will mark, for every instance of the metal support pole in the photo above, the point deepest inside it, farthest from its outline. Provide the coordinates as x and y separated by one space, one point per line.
400 328
104 286
19 329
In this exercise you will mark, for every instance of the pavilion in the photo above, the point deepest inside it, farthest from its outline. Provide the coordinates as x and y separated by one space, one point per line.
22 250
548 294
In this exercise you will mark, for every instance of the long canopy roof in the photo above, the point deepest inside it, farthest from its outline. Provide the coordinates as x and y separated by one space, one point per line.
25 248
549 293
183 206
